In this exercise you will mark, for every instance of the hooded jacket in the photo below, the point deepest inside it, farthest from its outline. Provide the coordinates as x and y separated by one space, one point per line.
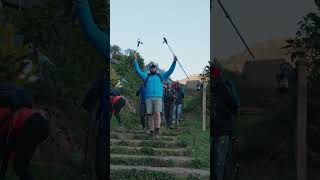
153 88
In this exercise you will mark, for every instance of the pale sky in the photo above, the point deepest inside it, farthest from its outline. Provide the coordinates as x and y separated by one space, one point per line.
257 20
185 24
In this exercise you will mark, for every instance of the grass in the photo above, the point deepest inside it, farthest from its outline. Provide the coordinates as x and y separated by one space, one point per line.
163 131
263 135
156 162
145 143
133 175
149 175
130 120
145 137
144 162
146 151
196 140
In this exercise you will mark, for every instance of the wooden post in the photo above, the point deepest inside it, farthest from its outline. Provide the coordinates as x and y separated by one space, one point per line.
204 105
301 156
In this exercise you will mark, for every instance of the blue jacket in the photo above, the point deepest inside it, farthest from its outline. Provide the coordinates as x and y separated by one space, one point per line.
154 85
98 38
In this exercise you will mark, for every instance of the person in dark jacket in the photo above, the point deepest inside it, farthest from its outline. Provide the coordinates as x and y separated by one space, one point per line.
178 103
142 94
169 102
96 103
225 107
22 130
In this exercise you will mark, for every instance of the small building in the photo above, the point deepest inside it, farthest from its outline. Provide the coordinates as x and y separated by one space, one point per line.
262 73
192 85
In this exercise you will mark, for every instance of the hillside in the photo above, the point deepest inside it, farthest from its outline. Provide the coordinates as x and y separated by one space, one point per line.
192 77
270 49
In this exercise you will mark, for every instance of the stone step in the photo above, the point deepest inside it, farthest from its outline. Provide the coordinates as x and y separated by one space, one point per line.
172 132
146 143
154 161
129 136
171 170
148 151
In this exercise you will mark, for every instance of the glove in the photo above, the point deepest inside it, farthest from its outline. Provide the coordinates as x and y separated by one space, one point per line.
175 58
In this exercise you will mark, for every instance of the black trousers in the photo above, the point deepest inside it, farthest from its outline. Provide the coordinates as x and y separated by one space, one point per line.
143 114
117 109
24 144
168 113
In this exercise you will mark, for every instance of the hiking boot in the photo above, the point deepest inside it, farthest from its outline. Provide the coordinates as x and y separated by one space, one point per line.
146 132
157 136
151 135
157 133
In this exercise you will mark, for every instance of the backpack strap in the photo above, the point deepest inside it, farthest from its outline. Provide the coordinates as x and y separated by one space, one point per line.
149 74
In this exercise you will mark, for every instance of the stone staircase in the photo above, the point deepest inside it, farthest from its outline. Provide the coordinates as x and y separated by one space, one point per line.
133 152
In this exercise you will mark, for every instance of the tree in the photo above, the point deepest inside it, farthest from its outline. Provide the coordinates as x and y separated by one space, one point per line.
306 43
15 58
114 78
115 51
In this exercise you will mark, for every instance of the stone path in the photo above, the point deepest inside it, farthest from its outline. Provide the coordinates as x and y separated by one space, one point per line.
132 151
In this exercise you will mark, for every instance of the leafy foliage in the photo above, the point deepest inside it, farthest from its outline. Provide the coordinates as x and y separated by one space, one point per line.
124 72
14 54
51 28
306 43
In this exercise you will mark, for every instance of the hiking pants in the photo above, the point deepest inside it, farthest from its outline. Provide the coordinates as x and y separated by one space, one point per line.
177 112
143 114
118 117
24 144
168 110
220 152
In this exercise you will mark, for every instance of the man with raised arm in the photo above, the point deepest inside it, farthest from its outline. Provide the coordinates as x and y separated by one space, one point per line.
154 93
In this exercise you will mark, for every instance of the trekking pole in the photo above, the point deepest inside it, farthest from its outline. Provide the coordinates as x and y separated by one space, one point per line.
165 41
84 161
138 44
236 163
234 26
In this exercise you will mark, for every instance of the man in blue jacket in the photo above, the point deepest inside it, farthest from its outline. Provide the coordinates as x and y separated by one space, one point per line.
154 93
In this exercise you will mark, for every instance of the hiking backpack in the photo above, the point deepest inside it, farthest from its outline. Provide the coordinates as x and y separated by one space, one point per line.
234 95
169 95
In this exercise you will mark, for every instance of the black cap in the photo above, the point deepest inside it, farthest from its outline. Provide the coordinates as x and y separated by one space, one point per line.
153 65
